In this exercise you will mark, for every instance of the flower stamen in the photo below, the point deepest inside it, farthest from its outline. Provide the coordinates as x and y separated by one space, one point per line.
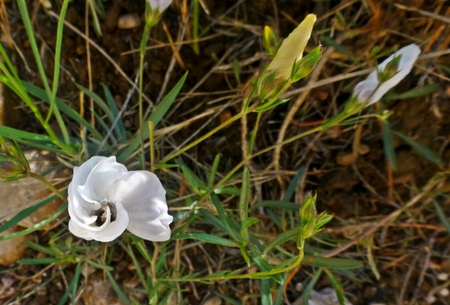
102 214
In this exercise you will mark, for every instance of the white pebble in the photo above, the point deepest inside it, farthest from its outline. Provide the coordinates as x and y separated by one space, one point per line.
442 276
129 21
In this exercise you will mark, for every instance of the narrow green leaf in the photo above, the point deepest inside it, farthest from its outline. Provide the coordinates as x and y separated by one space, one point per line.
264 266
192 179
266 294
277 204
267 106
293 185
39 248
155 117
230 225
228 191
327 41
212 239
213 220
337 286
282 238
119 128
212 175
388 144
416 92
39 261
310 287
72 287
25 213
442 217
40 93
100 266
245 195
117 288
56 73
99 101
36 226
13 133
247 223
331 262
164 106
422 149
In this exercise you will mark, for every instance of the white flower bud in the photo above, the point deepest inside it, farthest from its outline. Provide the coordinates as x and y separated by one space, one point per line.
372 89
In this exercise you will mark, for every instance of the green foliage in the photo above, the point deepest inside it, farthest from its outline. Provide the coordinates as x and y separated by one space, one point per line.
275 237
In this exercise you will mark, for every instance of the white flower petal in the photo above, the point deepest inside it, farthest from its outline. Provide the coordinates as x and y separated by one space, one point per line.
101 177
364 89
161 4
104 233
143 196
78 207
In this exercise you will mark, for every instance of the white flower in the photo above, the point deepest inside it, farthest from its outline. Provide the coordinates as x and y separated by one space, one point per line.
105 199
159 4
365 90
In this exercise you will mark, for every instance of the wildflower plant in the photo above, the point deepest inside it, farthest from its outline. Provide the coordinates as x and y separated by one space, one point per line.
105 198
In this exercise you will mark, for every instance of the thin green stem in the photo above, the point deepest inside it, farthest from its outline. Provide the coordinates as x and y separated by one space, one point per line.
15 84
254 132
206 136
56 73
243 162
49 185
256 275
142 51
151 130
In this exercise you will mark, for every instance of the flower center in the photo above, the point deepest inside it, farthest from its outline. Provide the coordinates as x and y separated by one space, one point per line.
102 214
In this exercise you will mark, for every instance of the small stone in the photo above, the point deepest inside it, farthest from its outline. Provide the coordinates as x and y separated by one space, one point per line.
11 250
442 276
430 299
444 292
129 21
326 296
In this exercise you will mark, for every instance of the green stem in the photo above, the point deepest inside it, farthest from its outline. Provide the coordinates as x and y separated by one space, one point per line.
256 275
49 185
243 162
254 132
142 50
206 136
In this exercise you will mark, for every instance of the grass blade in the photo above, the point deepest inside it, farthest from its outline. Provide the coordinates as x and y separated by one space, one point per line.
388 144
422 149
337 286
155 117
209 238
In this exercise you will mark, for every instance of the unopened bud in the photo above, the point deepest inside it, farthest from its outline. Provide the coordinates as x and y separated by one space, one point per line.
270 42
11 168
269 87
304 66
390 70
13 164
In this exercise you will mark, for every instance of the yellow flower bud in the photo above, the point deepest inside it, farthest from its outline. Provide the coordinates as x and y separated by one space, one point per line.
291 49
